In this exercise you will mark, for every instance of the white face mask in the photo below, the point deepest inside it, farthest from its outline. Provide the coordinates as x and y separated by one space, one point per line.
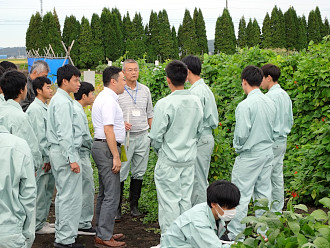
227 214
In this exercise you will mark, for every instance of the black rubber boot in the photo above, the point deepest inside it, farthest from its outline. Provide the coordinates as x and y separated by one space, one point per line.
134 196
118 214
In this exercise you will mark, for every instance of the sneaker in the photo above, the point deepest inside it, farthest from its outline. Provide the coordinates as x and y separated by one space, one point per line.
225 237
73 245
157 246
46 229
90 231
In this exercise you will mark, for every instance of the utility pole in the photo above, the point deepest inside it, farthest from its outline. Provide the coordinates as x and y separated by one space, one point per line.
41 8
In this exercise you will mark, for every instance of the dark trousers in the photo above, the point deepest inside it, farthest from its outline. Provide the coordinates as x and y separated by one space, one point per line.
109 190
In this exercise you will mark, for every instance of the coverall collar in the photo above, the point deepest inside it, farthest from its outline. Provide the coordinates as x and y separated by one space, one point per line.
181 92
14 104
255 91
64 93
198 82
44 105
275 86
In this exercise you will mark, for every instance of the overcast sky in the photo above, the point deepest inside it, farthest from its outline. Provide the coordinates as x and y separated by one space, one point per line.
15 15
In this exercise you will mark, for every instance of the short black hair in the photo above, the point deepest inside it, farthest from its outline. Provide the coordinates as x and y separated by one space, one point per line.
177 72
253 75
66 72
193 63
11 83
7 64
2 71
225 193
111 72
39 82
271 70
85 88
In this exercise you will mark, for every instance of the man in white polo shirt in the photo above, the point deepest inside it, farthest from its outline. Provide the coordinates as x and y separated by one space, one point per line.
109 134
138 112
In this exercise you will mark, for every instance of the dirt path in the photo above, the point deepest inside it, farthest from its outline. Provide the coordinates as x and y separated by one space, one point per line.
137 234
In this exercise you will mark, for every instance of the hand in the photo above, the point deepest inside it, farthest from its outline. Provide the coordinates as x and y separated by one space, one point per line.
46 167
116 165
75 167
128 126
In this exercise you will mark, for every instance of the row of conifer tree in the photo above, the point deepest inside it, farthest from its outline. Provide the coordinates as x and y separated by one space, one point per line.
109 36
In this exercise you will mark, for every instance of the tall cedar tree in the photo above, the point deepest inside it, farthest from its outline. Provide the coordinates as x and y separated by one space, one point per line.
253 33
256 32
34 34
97 49
302 33
71 30
165 41
225 40
313 29
138 46
319 20
153 37
127 31
187 36
57 21
175 54
179 40
117 43
326 29
278 28
267 32
51 34
242 35
291 29
200 28
106 32
85 44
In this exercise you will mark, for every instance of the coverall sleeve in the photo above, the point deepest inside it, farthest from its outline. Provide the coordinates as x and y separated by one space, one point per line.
27 197
242 128
39 125
204 236
158 127
63 125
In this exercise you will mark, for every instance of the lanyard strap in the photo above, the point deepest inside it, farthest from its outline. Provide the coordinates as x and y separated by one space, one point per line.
134 100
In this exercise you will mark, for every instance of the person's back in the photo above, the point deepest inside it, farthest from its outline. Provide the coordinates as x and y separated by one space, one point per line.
182 110
18 192
257 112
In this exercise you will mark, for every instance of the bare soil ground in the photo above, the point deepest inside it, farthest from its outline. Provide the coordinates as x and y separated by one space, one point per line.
138 235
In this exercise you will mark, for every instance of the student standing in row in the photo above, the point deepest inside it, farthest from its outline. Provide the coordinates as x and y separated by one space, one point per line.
85 97
37 113
253 140
210 121
64 158
176 127
282 127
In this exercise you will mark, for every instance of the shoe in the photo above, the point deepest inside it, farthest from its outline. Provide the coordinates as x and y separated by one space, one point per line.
135 211
109 243
46 229
225 237
74 245
157 246
90 231
118 236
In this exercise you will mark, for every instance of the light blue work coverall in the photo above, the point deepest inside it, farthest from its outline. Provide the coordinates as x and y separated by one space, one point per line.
195 228
205 143
176 127
83 135
37 112
2 98
60 135
282 127
17 191
253 140
17 123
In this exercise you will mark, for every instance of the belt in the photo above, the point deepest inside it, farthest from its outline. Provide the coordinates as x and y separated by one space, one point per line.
104 140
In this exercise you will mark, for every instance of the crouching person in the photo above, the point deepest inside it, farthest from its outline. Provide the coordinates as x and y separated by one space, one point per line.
18 192
204 224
